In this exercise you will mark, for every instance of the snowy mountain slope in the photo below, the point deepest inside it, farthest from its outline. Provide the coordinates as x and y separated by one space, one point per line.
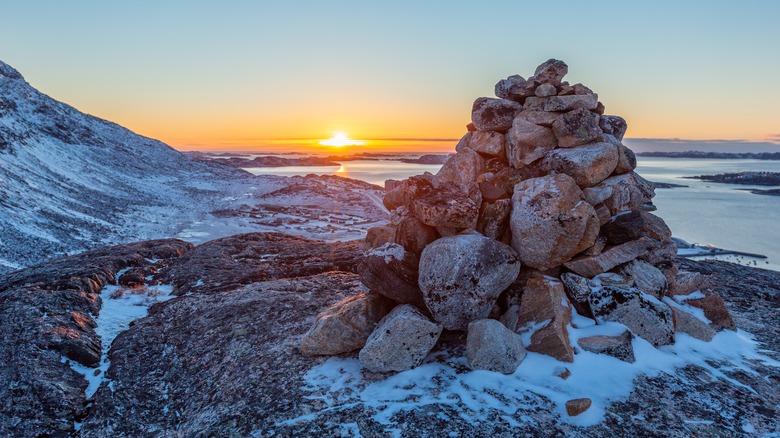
70 181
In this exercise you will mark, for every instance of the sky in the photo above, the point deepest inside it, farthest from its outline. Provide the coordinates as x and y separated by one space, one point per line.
278 75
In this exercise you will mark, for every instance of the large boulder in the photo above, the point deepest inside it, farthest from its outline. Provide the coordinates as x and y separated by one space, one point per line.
551 72
515 88
545 311
414 235
550 221
462 168
686 322
493 347
576 127
624 227
488 142
447 206
528 142
588 164
615 126
345 326
714 309
378 236
462 276
391 271
629 191
646 277
644 315
400 341
489 114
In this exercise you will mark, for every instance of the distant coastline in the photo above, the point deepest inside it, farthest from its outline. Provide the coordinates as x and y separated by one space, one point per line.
773 156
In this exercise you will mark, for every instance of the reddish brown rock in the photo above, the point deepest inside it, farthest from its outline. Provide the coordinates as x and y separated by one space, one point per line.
528 142
546 309
541 118
414 235
515 88
391 271
446 207
615 126
550 221
686 282
551 72
488 142
561 103
590 266
686 323
629 191
577 406
462 168
715 310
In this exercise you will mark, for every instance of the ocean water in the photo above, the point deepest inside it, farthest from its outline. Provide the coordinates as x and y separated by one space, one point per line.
723 215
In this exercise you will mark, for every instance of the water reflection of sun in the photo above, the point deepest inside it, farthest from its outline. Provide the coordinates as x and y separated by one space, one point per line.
342 169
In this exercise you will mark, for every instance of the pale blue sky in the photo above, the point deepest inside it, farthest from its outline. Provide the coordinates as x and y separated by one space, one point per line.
196 72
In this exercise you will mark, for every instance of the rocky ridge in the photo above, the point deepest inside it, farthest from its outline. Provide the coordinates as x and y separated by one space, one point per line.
538 216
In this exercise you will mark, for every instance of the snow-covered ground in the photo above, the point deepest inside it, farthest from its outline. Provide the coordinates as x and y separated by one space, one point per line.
445 378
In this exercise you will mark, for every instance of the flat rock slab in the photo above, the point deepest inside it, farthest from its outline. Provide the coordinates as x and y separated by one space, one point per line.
462 276
228 263
400 341
616 346
590 266
589 164
490 114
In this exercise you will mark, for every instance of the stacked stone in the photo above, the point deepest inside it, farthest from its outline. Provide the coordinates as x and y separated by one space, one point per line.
538 214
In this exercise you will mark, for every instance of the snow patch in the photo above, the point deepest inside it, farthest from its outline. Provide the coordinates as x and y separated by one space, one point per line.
389 251
478 396
121 306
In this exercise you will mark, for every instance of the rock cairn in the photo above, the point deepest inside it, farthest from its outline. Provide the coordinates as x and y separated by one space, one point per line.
537 215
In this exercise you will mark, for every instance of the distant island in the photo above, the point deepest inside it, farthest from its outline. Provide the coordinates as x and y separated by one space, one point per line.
748 178
427 159
265 161
770 192
714 155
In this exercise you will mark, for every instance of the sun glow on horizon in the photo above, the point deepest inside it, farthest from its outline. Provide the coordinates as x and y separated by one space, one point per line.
340 139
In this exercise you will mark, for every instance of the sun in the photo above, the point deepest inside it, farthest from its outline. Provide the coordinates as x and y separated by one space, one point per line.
340 139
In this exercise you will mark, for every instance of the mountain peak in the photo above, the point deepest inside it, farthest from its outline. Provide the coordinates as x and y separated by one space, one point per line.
9 72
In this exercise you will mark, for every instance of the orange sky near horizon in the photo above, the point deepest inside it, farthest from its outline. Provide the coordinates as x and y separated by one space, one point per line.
202 75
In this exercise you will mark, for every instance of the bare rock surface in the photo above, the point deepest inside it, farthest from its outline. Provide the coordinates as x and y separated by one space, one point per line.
576 128
230 262
528 142
462 276
228 363
47 313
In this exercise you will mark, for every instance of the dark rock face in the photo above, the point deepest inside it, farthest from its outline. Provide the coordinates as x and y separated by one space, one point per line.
231 262
46 312
392 272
